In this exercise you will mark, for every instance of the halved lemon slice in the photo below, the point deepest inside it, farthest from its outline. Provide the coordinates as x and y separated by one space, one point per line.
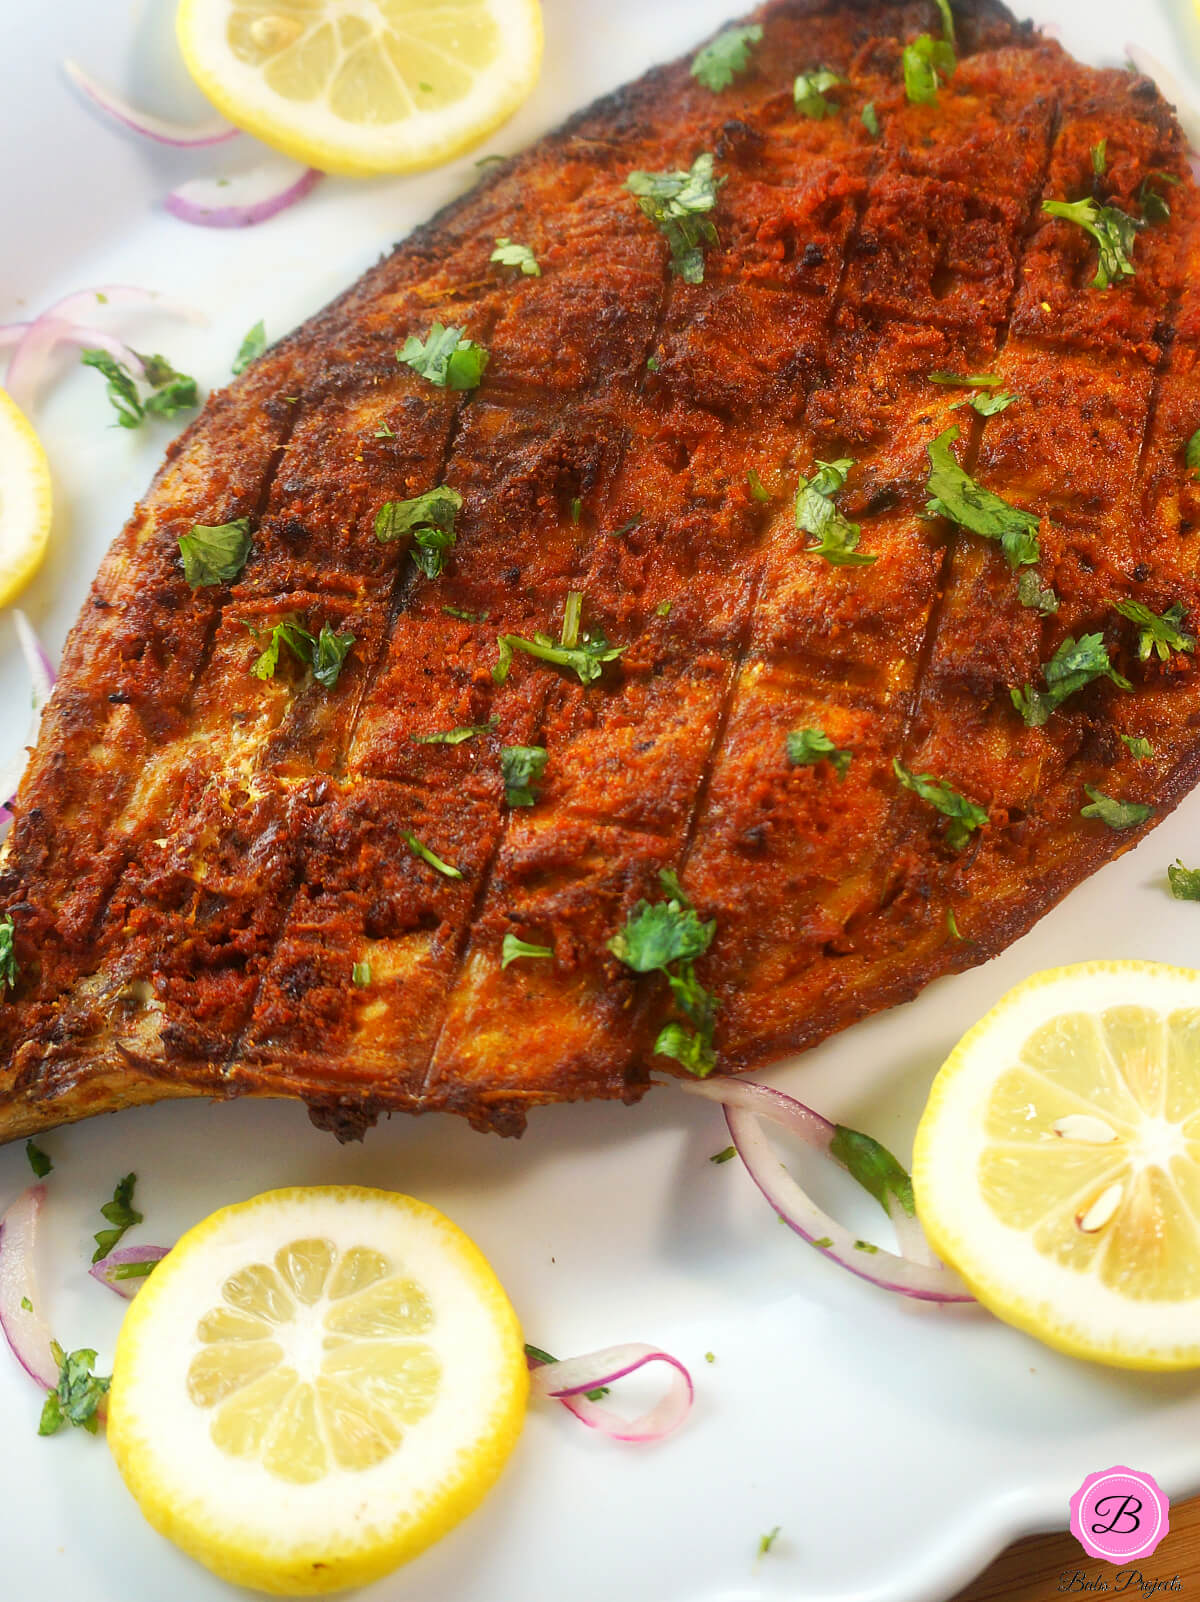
1057 1163
314 1385
25 501
364 86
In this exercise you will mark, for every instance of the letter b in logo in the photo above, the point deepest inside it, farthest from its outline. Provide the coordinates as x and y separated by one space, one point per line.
1119 1515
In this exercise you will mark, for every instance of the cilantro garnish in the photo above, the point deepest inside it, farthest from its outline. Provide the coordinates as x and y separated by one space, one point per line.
947 19
521 767
1113 230
172 392
1075 664
215 554
8 954
1117 814
419 849
1185 882
807 747
767 1541
38 1160
429 518
927 62
757 488
678 204
870 119
666 937
360 975
952 928
809 91
1138 745
584 652
724 1156
873 1165
988 405
250 349
837 538
78 1394
1036 595
446 357
510 255
965 817
1160 635
466 731
967 380
324 653
141 1270
1192 453
120 1213
726 57
513 948
1100 158
954 494
1154 206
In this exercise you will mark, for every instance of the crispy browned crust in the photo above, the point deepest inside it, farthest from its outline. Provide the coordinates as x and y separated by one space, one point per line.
199 858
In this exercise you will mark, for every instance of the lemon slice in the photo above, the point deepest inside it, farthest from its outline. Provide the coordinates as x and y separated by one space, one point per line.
1057 1163
364 86
314 1385
24 500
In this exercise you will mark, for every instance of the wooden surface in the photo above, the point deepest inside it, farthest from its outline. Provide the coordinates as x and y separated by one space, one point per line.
1045 1566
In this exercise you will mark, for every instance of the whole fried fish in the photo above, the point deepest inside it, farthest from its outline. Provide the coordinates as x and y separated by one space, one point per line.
760 584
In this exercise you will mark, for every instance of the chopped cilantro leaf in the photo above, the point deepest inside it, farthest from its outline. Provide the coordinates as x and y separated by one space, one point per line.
1155 208
947 19
765 1542
141 1270
1160 635
723 1156
360 974
807 747
586 658
421 850
576 509
988 405
251 348
952 925
864 1246
927 61
870 119
667 937
467 731
572 619
174 392
8 954
429 519
464 615
1117 814
446 357
823 1241
726 57
1139 747
1112 229
121 388
1038 597
1100 158
215 554
964 815
1185 882
38 1160
522 766
510 255
809 91
678 203
26 1304
383 432
837 538
954 494
757 488
967 380
874 1167
120 1213
663 609
513 948
1074 665
78 1394
1192 453
324 654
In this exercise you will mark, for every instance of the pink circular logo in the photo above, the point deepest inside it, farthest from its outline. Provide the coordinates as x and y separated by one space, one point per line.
1119 1515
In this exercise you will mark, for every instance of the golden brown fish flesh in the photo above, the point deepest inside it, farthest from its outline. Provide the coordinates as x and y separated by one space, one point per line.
730 578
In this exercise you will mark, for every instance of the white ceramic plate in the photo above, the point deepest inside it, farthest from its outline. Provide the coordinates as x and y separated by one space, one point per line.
898 1448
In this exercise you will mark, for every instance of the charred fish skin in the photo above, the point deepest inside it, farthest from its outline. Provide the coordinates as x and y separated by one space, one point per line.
227 883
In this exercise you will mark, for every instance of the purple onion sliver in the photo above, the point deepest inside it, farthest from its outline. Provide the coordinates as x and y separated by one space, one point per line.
767 1102
37 659
24 1327
569 1381
801 1214
162 129
126 1288
207 203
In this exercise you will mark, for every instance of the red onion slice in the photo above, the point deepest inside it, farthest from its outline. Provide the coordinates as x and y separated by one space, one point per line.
569 1381
243 200
42 675
24 1327
162 129
122 1257
925 1282
1171 88
766 1102
12 334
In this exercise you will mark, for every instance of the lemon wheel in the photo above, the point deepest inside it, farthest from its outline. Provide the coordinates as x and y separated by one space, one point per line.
1057 1163
364 86
314 1385
25 500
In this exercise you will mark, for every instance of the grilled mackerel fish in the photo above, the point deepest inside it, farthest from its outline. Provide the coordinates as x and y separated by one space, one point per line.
825 671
